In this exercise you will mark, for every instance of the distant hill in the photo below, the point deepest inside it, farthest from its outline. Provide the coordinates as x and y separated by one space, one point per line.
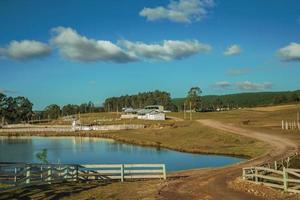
245 99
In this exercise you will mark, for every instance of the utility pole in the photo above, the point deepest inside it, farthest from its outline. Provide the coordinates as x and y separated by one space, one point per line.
190 110
184 113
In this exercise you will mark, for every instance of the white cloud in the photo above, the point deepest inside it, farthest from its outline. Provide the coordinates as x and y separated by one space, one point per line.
233 50
247 85
4 91
223 84
76 47
167 50
238 71
290 52
25 50
182 11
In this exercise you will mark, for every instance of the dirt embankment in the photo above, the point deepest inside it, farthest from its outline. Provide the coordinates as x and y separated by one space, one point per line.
214 183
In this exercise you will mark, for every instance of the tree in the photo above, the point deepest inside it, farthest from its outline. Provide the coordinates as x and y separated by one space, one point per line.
52 112
295 97
23 109
3 101
42 156
194 98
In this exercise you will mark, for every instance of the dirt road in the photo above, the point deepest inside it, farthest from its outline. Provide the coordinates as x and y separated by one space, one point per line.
213 183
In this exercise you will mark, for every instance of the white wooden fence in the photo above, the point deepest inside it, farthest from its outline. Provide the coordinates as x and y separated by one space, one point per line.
38 128
287 179
123 171
15 175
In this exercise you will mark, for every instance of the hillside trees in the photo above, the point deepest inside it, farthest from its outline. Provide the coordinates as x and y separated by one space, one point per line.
52 112
140 100
15 109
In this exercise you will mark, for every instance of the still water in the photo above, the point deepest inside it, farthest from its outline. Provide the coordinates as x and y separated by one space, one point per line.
102 151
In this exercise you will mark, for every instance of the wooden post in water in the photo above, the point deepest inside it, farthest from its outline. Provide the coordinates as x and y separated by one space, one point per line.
282 124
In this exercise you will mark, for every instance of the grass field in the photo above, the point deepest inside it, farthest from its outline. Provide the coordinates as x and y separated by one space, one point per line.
267 119
191 136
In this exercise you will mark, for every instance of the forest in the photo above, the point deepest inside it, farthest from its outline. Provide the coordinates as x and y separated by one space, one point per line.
15 109
212 102
140 100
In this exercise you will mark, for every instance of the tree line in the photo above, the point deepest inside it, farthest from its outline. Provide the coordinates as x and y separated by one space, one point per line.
15 109
54 111
140 100
213 102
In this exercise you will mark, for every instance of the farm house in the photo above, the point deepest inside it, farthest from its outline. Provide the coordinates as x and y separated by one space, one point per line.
148 114
153 112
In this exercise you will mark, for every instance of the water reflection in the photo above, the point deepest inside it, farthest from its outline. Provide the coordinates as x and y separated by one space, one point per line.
96 150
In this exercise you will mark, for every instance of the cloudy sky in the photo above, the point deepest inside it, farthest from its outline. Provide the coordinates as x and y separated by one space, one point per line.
75 51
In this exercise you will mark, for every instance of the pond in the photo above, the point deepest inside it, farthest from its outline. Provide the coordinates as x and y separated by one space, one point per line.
83 150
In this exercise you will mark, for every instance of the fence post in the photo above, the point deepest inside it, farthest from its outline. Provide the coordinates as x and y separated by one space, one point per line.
275 165
122 172
49 174
244 174
256 173
164 172
28 175
15 176
77 168
41 172
66 173
285 179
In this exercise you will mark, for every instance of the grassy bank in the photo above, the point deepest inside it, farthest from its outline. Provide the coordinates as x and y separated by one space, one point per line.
186 136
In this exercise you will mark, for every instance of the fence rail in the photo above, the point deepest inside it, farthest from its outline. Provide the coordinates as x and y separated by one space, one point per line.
287 179
19 175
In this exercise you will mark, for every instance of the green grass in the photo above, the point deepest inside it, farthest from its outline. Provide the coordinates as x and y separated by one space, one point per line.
193 137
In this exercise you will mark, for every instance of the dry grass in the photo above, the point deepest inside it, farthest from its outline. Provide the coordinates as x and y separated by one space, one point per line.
267 119
192 137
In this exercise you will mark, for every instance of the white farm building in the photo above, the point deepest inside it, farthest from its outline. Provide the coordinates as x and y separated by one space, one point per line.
154 112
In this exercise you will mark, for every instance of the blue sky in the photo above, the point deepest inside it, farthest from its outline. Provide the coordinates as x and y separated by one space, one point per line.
75 51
